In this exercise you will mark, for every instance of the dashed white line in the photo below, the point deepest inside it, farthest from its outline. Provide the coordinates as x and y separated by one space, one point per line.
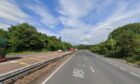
85 58
109 62
115 65
92 69
134 74
45 81
123 69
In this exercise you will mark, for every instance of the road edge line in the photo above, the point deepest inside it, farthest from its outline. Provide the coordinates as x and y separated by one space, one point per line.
50 76
92 69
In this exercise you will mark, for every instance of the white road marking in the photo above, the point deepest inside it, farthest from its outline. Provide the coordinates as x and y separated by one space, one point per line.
85 58
46 80
80 65
13 61
109 62
122 68
115 65
134 74
78 73
92 69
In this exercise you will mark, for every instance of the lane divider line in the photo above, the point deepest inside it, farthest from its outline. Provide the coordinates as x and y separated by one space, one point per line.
115 65
109 62
47 79
123 69
92 69
134 74
85 58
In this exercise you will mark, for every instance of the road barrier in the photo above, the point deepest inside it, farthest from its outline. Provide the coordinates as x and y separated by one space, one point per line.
11 77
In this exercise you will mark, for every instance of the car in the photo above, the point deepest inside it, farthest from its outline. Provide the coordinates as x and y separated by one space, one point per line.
59 50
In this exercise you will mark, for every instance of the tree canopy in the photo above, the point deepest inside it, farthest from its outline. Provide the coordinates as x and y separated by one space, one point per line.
125 43
25 37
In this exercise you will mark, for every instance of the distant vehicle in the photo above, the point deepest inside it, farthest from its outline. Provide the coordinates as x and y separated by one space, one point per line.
72 49
59 50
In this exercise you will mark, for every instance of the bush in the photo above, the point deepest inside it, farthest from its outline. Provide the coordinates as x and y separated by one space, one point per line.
2 52
133 59
138 63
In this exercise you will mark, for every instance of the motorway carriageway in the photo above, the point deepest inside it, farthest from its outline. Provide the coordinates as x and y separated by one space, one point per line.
86 68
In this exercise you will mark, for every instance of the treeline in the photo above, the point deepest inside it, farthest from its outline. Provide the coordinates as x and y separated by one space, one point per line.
25 37
124 42
83 46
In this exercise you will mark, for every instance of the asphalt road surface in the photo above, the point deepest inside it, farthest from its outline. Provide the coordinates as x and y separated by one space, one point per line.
85 68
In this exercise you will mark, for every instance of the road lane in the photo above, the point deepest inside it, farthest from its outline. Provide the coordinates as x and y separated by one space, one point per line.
113 73
84 68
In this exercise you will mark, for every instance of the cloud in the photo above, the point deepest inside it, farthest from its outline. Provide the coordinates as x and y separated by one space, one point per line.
76 8
120 17
9 10
78 31
86 21
43 12
4 26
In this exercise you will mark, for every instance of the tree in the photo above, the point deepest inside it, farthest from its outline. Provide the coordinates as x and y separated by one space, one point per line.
24 37
127 44
3 43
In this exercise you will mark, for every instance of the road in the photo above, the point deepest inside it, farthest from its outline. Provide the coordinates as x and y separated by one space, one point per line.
86 68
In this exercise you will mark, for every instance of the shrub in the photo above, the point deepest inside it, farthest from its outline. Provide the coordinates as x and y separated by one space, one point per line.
2 52
133 59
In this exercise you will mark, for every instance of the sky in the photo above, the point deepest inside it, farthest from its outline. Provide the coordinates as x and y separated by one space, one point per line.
75 21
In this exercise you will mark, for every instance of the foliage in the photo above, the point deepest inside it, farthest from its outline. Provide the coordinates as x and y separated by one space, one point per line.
125 43
82 46
25 37
3 42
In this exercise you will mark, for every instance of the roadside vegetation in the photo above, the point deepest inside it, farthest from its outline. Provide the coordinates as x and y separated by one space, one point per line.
124 43
25 38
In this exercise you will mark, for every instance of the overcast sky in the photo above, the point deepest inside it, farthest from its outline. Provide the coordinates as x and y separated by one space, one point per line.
76 21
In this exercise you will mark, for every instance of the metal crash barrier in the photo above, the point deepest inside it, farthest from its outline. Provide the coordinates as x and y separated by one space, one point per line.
12 76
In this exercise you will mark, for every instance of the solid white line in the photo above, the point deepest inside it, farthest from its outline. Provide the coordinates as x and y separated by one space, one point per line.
92 69
115 65
85 58
134 74
122 68
46 80
109 62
